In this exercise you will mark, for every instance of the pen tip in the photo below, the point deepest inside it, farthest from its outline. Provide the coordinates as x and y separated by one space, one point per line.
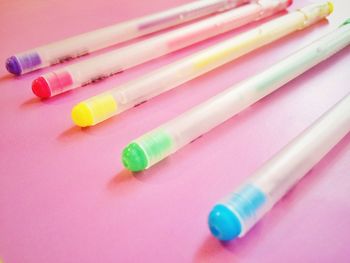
82 115
134 158
223 223
13 66
41 88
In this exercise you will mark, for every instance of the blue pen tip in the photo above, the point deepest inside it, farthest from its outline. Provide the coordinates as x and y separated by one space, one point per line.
223 223
13 66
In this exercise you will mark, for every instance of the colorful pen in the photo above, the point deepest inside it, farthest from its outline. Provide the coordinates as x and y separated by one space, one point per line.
79 45
119 99
159 143
105 65
236 214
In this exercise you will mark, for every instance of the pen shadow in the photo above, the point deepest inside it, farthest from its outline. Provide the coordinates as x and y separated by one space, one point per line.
32 102
36 101
159 173
124 182
6 77
71 134
242 247
126 178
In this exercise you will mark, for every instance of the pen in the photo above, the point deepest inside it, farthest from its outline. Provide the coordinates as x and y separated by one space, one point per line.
159 143
119 99
82 44
105 65
236 214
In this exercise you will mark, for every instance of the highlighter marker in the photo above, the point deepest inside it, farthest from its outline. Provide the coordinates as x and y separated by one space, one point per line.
119 99
107 64
159 143
86 43
236 214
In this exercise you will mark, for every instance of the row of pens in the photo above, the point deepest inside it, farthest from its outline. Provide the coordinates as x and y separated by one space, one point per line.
233 216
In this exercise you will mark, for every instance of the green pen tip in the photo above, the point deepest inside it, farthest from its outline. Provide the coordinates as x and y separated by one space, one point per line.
347 21
134 158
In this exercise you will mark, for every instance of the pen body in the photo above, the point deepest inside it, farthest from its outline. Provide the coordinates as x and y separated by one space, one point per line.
237 213
107 64
152 84
91 41
204 117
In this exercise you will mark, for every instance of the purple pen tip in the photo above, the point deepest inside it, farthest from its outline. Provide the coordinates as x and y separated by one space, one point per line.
13 66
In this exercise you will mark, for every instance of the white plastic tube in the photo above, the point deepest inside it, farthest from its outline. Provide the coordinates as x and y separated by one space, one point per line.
105 65
119 99
79 45
159 143
235 215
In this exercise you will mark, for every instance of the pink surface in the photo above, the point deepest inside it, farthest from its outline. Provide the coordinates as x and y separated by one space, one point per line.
66 198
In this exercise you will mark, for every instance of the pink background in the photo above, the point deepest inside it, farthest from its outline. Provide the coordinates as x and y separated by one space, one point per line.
64 194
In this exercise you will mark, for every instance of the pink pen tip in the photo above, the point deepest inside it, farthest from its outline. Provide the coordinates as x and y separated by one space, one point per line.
52 83
289 2
41 88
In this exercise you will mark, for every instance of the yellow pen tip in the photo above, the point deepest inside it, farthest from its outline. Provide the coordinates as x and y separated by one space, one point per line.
331 7
82 115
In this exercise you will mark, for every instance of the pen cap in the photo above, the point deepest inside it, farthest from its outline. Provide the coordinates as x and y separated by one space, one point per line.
94 110
238 212
23 63
147 150
314 13
51 83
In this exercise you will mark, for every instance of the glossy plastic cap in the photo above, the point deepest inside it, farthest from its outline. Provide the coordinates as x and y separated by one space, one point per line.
41 88
223 223
52 84
13 66
94 110
25 62
82 115
134 158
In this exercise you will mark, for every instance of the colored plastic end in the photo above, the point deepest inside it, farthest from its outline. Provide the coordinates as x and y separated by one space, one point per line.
289 2
147 150
331 7
13 66
52 84
94 110
23 63
223 223
134 158
238 213
82 115
41 88
346 22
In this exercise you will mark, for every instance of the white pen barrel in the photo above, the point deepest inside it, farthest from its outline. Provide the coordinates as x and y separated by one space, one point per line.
237 213
107 64
204 117
88 42
173 75
289 165
130 94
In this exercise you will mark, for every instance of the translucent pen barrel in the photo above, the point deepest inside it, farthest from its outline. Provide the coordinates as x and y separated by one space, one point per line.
76 46
105 65
119 99
236 214
159 143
